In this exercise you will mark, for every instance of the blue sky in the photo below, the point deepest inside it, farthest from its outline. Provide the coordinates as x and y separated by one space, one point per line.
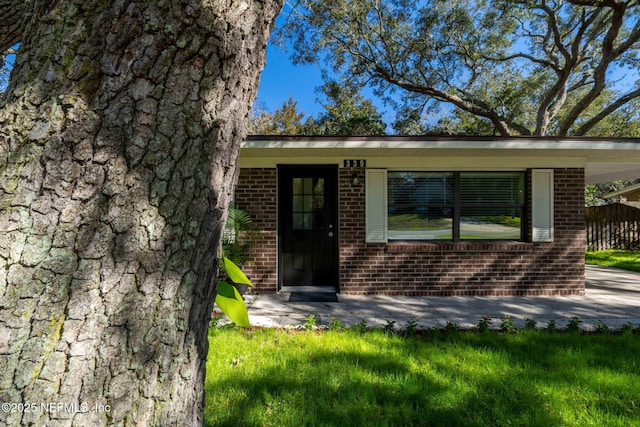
281 79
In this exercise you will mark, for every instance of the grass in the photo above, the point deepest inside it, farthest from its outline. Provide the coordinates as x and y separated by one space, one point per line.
264 377
628 260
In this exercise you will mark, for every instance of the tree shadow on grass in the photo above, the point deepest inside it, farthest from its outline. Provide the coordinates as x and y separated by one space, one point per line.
288 396
575 378
464 380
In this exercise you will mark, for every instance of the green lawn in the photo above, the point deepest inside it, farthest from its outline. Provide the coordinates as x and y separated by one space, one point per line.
264 377
628 260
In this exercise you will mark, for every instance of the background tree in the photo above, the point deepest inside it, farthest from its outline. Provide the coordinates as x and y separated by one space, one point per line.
594 193
348 112
528 67
119 135
286 120
624 122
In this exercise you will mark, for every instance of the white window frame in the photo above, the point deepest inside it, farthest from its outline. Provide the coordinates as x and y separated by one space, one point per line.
542 206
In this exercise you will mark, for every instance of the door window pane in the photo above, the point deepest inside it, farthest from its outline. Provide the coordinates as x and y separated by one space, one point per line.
308 203
307 185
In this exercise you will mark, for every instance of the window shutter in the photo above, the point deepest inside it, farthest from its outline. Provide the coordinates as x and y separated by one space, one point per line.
542 205
376 205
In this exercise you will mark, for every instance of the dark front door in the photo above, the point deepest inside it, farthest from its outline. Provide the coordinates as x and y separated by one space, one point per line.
307 201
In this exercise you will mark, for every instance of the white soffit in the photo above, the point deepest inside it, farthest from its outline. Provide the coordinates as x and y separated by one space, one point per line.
609 171
605 159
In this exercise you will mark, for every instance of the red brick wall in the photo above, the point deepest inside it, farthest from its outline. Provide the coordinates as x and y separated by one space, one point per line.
422 268
256 193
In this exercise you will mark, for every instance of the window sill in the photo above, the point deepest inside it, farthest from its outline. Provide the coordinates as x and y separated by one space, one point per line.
467 246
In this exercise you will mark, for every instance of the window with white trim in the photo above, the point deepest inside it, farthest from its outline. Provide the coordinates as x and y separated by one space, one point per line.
455 206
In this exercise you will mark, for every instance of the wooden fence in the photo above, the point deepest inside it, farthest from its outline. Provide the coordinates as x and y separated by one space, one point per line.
615 226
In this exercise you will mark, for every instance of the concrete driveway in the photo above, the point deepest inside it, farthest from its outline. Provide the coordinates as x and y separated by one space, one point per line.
611 281
612 297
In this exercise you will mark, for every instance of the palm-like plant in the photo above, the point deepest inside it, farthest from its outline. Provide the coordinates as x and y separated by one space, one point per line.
239 236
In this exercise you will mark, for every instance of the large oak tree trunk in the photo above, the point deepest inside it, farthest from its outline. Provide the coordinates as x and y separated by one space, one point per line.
119 136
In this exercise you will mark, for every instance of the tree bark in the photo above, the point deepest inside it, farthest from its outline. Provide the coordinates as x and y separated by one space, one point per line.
119 138
13 15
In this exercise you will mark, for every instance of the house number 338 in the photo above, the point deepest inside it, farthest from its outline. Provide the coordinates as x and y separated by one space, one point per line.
355 163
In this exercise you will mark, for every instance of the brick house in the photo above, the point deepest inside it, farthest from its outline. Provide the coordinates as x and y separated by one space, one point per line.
403 215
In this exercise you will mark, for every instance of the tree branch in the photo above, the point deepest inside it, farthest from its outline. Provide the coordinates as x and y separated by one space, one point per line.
554 99
589 124
476 107
608 55
595 3
555 30
521 55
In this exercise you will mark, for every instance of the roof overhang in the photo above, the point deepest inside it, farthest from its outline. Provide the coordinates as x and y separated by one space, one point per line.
604 159
631 193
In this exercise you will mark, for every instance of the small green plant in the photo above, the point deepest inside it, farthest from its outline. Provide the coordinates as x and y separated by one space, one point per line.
530 324
602 328
239 236
360 327
574 325
411 328
627 329
551 326
484 323
215 319
451 328
335 324
507 324
228 298
389 327
310 322
433 332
